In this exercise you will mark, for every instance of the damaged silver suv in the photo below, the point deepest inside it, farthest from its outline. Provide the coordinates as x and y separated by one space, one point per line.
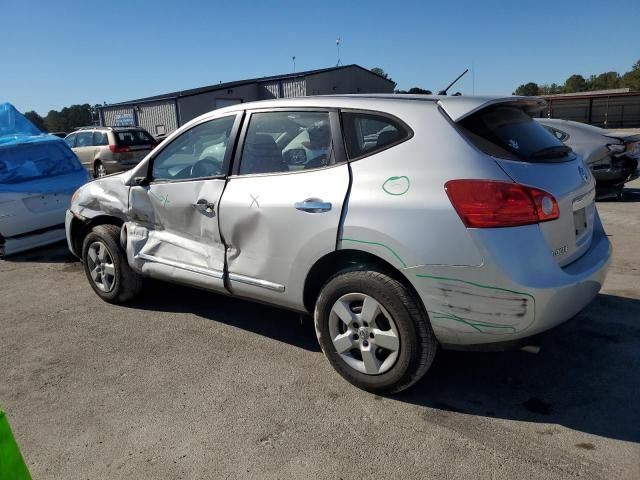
402 223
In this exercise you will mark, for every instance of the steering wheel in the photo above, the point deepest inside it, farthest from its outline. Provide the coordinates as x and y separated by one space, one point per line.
206 167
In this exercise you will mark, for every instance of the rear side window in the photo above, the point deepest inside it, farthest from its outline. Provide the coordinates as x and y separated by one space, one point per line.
133 138
100 138
507 131
366 133
85 139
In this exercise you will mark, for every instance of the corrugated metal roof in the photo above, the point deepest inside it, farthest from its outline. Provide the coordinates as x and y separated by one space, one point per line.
222 86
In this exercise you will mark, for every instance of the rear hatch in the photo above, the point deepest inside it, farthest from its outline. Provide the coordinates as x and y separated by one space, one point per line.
132 145
531 155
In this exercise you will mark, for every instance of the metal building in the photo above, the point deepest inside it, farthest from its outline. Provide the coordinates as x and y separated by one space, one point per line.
162 114
618 108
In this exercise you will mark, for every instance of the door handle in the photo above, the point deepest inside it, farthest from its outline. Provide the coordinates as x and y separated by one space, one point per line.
313 205
204 206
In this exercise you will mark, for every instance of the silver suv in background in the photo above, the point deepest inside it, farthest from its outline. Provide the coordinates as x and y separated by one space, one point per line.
401 223
105 150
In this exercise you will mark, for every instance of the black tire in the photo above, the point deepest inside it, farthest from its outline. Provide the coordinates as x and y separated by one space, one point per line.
418 344
126 283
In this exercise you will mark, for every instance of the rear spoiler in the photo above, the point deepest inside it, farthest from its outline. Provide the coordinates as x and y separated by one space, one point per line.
461 107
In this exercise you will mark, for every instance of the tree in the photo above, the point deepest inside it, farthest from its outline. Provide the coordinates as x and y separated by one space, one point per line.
69 118
631 79
37 120
530 89
575 83
419 90
605 81
381 72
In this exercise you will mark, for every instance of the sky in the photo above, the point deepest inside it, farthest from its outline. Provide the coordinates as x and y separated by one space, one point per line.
55 54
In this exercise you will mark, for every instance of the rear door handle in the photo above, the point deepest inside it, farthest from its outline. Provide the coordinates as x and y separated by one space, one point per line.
204 206
313 205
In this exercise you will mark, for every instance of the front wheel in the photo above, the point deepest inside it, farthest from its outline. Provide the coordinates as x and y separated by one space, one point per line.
374 332
106 267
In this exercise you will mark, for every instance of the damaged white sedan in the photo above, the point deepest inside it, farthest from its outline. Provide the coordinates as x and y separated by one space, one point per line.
38 175
400 222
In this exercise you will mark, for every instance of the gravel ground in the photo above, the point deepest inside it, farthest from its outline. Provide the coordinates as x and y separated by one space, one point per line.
186 384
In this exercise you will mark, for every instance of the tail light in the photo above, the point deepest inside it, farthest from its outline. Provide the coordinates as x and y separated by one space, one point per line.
118 149
493 204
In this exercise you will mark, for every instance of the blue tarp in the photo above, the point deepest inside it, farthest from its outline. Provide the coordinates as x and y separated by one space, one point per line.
27 154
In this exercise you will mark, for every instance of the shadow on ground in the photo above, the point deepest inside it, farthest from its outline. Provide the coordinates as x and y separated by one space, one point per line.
584 378
55 253
274 323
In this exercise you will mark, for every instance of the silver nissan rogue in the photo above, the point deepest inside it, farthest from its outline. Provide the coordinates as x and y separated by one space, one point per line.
400 222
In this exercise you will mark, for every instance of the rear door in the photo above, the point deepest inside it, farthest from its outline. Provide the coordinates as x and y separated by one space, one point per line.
276 218
531 155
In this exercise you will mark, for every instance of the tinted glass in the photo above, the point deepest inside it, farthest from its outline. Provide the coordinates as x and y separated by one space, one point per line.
286 141
85 139
198 152
100 138
133 138
71 140
367 133
507 131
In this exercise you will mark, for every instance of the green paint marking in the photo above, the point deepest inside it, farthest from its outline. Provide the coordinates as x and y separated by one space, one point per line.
404 265
475 324
479 285
164 200
405 188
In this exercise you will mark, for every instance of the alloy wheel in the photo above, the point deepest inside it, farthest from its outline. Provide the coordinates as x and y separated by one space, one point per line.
364 334
101 267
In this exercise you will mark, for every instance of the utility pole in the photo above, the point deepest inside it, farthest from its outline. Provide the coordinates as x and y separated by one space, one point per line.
338 41
294 63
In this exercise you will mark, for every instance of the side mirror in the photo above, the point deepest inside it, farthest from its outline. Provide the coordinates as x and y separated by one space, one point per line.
140 181
295 156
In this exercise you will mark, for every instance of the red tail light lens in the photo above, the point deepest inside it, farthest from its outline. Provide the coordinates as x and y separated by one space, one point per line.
118 149
493 204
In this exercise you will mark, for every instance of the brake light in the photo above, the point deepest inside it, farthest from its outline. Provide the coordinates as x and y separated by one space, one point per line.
493 204
118 149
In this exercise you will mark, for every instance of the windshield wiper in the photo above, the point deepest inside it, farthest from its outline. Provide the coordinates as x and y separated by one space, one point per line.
551 152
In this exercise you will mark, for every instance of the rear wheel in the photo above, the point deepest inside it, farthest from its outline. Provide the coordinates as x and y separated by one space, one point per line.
106 267
99 170
374 331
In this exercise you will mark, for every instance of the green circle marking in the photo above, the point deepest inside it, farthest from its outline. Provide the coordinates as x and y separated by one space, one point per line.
396 185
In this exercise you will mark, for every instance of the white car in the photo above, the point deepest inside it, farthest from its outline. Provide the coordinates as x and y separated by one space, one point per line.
38 175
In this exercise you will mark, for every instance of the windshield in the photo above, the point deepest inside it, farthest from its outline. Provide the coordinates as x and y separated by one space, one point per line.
506 131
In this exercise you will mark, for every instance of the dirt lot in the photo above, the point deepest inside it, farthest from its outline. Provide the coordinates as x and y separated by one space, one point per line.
185 384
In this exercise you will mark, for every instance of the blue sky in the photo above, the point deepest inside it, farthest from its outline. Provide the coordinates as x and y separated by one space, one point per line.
55 54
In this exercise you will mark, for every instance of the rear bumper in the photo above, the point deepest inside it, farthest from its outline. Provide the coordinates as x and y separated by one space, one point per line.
39 238
519 290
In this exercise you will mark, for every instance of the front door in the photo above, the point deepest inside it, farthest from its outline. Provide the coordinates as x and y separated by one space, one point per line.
174 231
281 208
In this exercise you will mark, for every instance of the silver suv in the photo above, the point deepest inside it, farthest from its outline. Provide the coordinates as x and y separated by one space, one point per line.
400 222
105 150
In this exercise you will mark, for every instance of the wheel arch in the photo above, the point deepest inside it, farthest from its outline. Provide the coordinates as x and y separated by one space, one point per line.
79 228
338 260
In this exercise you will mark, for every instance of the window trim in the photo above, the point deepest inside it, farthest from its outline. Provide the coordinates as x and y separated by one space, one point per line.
233 137
339 152
377 113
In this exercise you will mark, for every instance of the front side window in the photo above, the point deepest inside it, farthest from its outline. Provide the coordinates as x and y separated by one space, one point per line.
367 133
199 152
85 139
71 140
278 142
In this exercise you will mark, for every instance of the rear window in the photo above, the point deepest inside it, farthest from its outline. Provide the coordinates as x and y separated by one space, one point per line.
507 131
133 138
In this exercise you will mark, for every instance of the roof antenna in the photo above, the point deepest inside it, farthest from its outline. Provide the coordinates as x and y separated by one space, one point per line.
444 92
338 41
293 59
